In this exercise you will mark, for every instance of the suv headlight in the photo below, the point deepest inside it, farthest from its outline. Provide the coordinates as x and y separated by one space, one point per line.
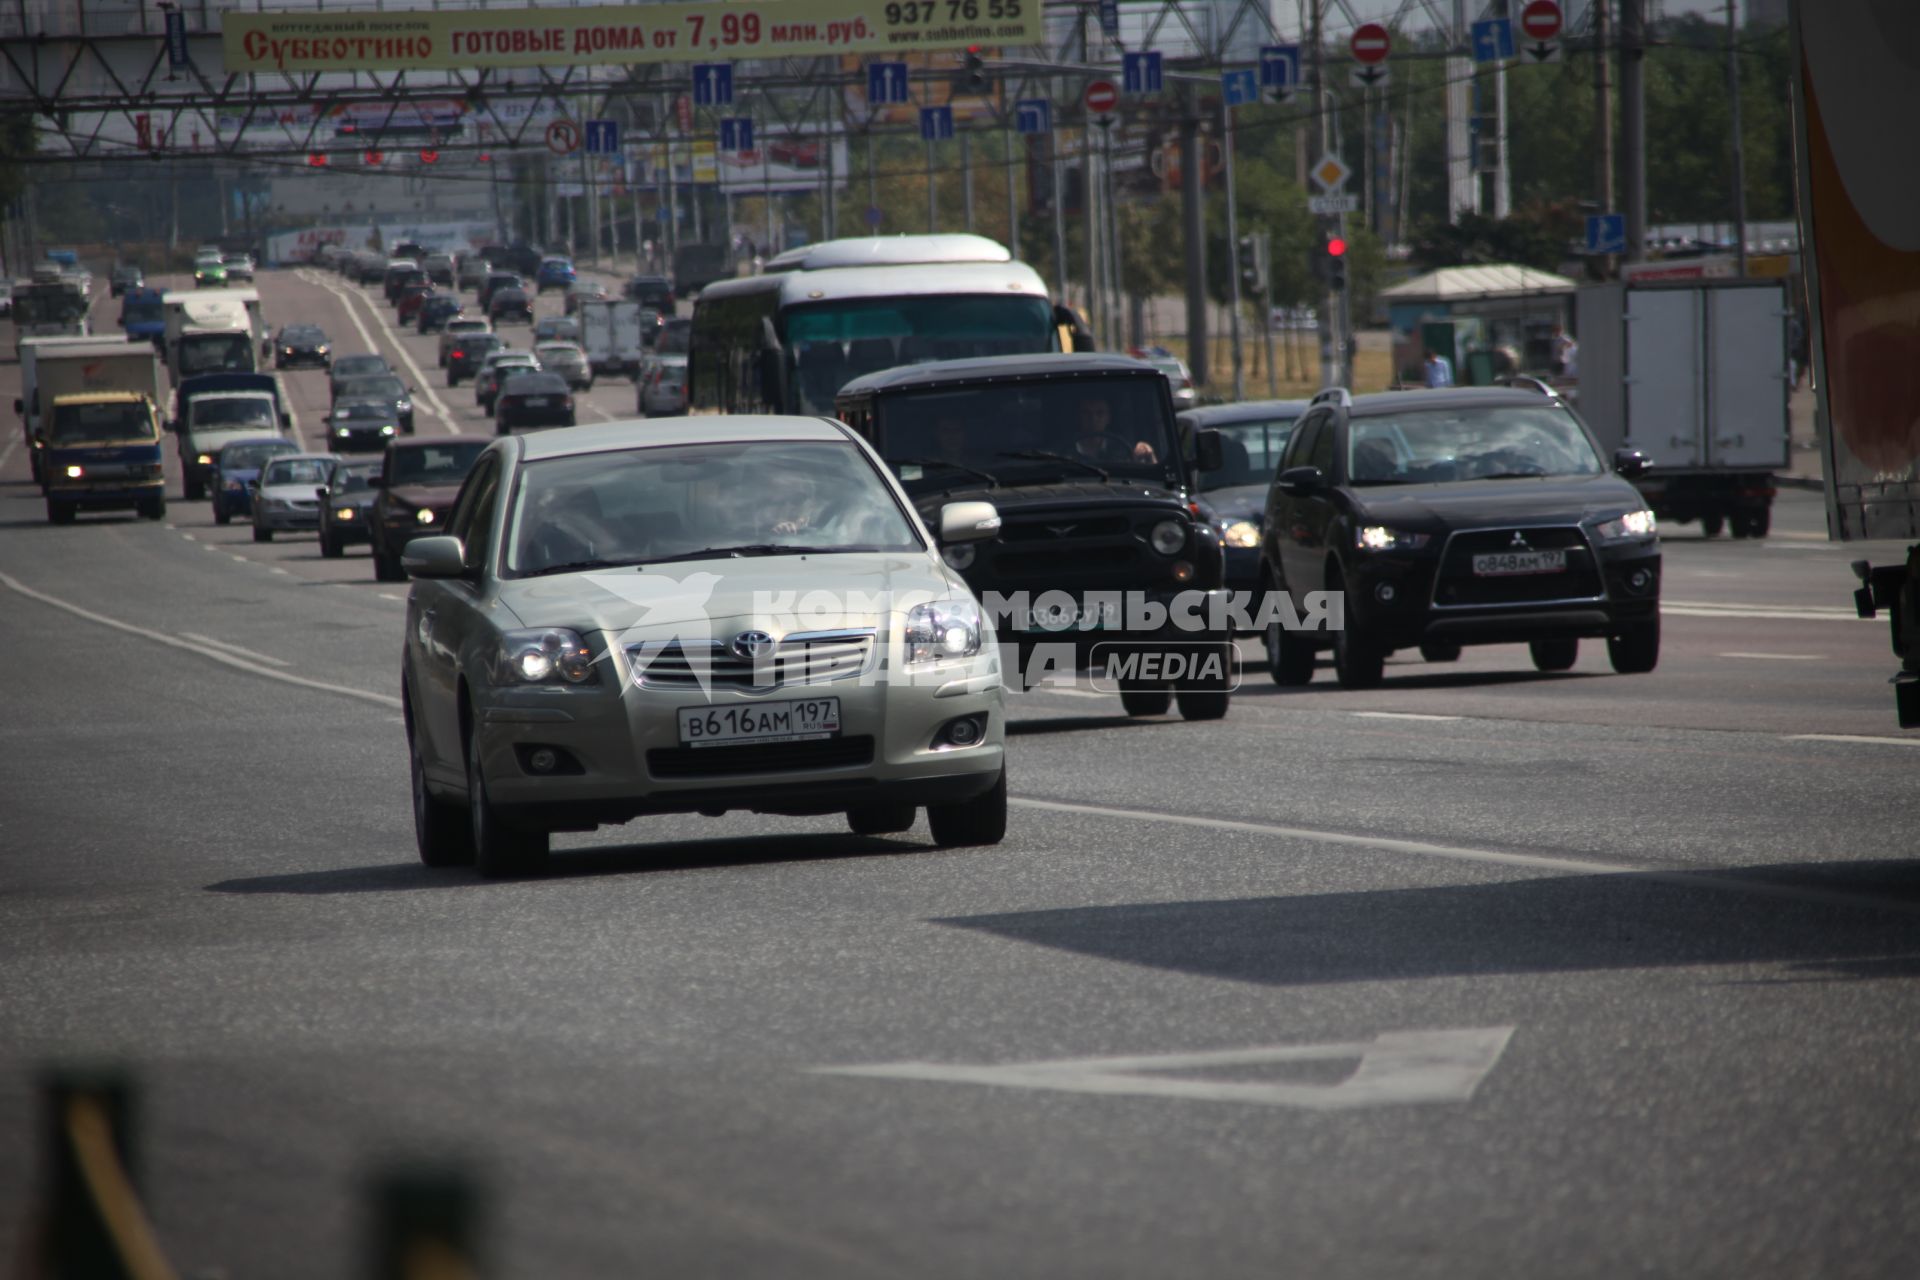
1168 537
1634 524
544 655
942 630
1378 537
1242 533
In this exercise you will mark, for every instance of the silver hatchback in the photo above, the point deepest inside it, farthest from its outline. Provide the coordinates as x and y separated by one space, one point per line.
739 613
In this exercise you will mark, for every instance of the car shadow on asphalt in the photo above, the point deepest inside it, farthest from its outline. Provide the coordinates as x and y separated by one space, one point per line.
1825 921
1079 724
601 860
1254 681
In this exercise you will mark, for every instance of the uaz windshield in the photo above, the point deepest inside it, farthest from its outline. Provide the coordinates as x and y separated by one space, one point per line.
1442 446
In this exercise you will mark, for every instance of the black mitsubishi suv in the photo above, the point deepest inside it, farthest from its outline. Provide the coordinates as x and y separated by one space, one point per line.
1456 517
1099 534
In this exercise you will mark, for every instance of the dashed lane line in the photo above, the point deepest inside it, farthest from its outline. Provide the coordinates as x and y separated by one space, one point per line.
1852 737
421 387
234 649
1402 715
1777 657
201 650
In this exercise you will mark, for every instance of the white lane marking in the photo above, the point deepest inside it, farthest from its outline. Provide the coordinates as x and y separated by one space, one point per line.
1852 737
388 595
235 649
1072 693
239 559
1778 657
13 442
1704 879
174 642
1779 615
419 379
1402 715
1394 1068
1742 609
1795 535
189 537
283 573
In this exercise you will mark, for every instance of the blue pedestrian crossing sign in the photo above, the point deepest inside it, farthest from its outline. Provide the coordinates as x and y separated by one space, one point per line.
1607 233
1140 72
736 133
603 137
1493 40
1239 87
936 123
1280 70
713 84
1033 115
886 83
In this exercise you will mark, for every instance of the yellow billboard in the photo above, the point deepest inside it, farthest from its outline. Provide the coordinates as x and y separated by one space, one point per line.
445 39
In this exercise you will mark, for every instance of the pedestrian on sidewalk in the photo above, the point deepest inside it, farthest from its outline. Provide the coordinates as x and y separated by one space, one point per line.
1439 370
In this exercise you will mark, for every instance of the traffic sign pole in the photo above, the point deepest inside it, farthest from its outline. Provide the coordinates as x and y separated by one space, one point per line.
1233 244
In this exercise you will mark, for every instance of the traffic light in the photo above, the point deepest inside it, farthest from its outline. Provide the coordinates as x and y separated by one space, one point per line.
975 80
1336 262
1253 263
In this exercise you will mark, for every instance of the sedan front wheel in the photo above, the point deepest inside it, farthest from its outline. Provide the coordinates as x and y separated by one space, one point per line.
498 849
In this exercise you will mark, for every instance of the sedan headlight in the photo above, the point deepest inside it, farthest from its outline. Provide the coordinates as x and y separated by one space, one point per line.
1242 533
322 349
386 431
205 459
545 655
424 515
344 513
942 630
1634 524
1168 537
1378 537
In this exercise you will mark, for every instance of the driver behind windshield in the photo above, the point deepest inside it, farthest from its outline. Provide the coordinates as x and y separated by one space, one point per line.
1096 440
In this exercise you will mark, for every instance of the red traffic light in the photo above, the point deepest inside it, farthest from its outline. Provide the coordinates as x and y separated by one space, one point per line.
317 159
1336 247
429 157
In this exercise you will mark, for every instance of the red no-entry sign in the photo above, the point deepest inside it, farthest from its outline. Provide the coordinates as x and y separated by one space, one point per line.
1370 44
1102 97
1540 20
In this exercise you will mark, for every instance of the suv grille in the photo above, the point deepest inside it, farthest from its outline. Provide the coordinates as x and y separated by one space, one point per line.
1457 585
801 658
771 757
1088 553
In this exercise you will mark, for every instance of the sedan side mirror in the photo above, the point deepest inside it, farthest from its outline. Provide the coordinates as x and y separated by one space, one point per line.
968 521
1631 463
1208 453
440 556
1301 482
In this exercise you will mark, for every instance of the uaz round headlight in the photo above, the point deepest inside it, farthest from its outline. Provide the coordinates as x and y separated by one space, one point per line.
1168 537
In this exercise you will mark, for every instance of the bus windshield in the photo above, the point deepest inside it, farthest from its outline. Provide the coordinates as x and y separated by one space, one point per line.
832 343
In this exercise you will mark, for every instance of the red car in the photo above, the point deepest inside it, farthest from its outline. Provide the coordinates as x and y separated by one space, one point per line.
408 304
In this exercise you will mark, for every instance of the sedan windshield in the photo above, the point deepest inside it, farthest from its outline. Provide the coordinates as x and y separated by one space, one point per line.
1029 432
386 387
435 463
358 366
354 479
305 471
247 457
1249 453
687 502
1441 446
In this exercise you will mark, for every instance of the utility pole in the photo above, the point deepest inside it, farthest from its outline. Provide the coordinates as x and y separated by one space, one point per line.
1110 204
1463 188
1193 231
1089 197
931 213
1739 145
966 174
1059 220
1013 204
1633 123
1323 321
1603 192
1233 249
1502 176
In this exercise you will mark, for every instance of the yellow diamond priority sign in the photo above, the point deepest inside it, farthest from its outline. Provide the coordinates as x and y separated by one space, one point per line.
1331 173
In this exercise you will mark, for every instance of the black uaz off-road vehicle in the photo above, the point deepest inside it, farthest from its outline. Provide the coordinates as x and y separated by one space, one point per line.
1098 542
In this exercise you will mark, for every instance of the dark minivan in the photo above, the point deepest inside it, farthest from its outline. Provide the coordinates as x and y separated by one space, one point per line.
1080 456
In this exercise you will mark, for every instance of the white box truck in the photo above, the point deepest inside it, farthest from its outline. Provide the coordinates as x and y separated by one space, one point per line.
213 331
610 335
1696 375
89 366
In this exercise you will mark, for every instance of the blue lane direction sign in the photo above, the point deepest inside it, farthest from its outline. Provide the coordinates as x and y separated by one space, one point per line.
1033 115
177 59
936 123
887 84
1140 72
1239 87
1607 233
1280 69
736 133
1110 18
603 137
1493 40
713 84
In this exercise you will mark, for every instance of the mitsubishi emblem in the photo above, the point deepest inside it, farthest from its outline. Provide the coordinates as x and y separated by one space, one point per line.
1520 540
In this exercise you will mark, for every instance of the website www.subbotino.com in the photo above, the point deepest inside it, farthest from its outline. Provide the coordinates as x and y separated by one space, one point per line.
981 32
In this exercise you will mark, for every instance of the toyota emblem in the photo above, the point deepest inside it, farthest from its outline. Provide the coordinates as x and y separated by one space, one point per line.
753 645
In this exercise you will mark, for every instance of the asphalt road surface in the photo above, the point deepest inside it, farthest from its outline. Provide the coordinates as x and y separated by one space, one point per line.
1484 972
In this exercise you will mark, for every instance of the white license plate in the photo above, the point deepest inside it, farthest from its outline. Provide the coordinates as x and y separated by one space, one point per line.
536 402
1504 564
798 721
1081 616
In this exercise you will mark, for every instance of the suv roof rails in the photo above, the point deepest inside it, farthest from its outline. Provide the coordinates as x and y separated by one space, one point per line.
1334 395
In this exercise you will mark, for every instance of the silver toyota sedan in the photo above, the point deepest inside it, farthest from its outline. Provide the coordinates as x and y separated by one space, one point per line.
723 613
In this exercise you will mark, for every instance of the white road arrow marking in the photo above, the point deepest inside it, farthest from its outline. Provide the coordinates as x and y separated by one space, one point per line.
1395 1067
